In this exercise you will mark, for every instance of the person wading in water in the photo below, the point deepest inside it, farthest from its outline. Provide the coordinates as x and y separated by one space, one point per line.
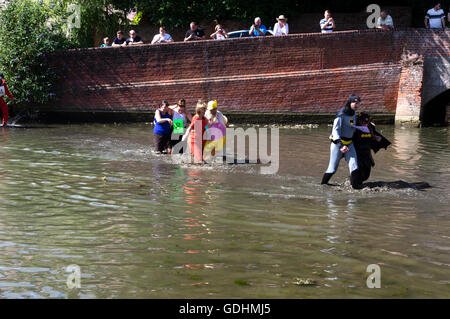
341 142
3 106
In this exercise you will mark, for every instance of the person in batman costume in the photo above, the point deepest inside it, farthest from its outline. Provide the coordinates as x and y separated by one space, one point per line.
365 139
341 142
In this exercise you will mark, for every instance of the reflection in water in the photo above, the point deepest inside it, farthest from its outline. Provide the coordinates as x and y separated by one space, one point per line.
139 225
406 148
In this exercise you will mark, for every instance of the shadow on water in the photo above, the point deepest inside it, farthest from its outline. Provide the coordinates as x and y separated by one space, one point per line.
398 185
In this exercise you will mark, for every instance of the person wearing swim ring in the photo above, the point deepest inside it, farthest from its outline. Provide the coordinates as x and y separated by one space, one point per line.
341 142
196 131
3 106
217 125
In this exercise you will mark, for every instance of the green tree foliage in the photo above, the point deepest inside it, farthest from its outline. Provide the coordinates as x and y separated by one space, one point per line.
176 13
28 30
98 18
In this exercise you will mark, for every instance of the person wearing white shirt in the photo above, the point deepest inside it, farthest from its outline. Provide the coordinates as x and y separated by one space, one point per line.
435 18
281 27
385 21
162 36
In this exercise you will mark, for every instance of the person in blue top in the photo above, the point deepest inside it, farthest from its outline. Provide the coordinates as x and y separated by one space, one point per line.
341 142
163 129
106 43
257 29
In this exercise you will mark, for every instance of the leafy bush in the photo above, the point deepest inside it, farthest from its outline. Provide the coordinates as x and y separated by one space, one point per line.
28 30
99 18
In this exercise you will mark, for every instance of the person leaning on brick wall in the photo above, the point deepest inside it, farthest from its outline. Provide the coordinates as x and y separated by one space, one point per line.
162 36
281 27
257 29
106 43
120 40
219 33
435 18
194 33
385 21
134 38
327 24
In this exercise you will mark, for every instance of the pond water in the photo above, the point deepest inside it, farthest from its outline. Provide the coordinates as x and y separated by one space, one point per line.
140 225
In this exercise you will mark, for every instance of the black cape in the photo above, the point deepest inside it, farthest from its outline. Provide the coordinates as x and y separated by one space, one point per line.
376 146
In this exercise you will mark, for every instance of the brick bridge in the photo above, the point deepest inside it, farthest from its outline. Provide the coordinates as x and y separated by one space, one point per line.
398 74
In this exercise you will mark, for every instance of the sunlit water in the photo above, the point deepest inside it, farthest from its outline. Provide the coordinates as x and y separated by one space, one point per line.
141 226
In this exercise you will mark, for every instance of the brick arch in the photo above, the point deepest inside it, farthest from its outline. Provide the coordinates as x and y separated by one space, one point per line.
436 110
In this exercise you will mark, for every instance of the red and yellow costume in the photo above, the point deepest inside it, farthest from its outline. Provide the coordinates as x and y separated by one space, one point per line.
3 107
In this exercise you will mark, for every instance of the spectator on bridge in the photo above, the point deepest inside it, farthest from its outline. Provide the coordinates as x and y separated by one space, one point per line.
435 18
281 27
257 29
162 36
194 33
106 43
134 38
327 24
220 33
385 21
120 40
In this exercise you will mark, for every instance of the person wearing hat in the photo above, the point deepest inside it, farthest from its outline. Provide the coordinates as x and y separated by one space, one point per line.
179 119
217 125
341 142
281 27
3 106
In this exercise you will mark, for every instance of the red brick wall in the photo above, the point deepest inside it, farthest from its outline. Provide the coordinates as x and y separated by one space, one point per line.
297 73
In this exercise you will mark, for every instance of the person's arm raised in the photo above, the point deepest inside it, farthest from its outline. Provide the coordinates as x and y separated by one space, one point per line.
259 31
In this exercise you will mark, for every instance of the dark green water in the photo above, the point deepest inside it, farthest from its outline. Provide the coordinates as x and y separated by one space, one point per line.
140 226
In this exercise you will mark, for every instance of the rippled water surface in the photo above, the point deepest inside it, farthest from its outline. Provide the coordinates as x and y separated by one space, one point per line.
139 225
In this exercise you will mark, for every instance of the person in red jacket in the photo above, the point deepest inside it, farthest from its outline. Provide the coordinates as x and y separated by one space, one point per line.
3 106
